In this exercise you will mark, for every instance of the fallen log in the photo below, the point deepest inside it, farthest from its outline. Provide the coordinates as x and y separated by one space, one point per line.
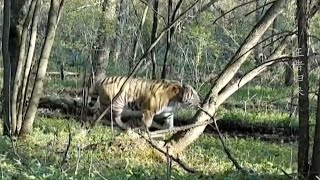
72 106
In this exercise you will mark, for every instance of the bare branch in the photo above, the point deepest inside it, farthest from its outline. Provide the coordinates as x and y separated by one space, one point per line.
263 6
225 148
182 128
182 164
65 156
243 52
229 90
138 36
234 8
154 10
314 9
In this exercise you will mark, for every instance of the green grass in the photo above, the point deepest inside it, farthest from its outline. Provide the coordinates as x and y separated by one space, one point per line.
262 93
55 83
119 156
255 93
275 118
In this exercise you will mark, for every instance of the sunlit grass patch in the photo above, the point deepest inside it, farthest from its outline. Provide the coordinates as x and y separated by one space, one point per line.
255 93
54 84
272 118
262 93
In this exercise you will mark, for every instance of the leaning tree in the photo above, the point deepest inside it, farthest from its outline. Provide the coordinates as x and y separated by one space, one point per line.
226 83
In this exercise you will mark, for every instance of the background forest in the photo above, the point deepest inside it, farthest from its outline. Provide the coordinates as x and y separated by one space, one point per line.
254 64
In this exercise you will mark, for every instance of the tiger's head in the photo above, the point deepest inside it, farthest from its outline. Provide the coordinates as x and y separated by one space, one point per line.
189 96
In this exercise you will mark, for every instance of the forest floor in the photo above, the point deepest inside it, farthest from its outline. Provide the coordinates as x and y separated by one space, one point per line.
258 124
106 154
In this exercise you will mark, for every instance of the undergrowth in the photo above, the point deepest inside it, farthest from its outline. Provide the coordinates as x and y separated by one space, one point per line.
104 154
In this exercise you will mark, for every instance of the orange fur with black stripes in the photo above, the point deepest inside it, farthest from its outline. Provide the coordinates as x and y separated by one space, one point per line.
150 97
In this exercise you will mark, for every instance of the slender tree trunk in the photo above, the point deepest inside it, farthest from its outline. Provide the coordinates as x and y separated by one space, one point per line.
53 19
315 163
166 55
303 138
153 37
7 67
102 45
20 9
136 40
170 33
258 54
122 19
288 78
20 63
274 37
181 140
27 67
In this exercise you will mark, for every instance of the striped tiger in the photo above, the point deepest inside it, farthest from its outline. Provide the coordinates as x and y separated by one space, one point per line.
150 97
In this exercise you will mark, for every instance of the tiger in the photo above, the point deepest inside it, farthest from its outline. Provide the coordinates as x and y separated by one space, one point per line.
153 98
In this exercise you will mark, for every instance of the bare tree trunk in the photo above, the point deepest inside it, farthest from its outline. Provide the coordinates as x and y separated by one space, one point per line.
315 163
137 38
7 67
258 54
20 63
273 36
303 138
122 19
288 78
20 9
53 19
181 140
170 33
27 67
153 37
102 45
166 55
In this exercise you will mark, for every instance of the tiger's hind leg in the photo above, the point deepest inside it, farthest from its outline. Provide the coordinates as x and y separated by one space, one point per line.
117 109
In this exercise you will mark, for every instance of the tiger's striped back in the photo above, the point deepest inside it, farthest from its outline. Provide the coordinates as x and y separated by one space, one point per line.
150 97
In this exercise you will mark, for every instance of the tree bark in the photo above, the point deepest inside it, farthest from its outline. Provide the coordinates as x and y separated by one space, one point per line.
181 140
20 63
315 163
136 40
303 139
258 54
7 68
53 19
102 44
288 78
122 19
153 36
170 33
21 8
27 67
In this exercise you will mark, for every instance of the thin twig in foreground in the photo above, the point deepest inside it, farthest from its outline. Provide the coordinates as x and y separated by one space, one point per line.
182 164
225 148
64 160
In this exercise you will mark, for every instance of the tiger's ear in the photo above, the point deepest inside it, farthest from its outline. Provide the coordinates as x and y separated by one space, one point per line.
175 89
